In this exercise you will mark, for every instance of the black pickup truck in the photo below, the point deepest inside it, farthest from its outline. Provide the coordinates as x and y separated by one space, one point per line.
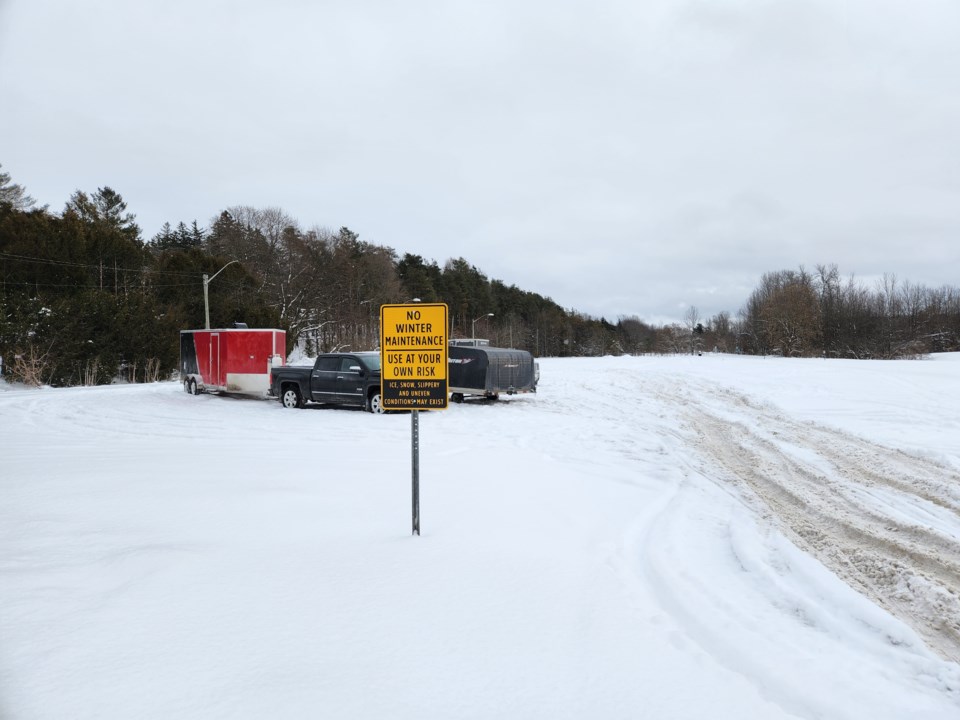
334 379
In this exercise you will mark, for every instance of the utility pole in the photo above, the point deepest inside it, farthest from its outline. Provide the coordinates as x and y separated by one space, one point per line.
206 292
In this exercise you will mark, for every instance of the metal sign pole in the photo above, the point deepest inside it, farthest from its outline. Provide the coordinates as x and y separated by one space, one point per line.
415 458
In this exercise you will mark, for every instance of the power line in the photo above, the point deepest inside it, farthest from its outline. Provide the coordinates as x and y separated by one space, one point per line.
80 286
65 263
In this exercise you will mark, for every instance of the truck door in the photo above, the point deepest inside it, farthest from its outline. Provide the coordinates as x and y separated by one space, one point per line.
323 380
349 382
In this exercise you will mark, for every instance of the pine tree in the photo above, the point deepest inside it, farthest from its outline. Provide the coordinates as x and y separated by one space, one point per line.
105 206
197 236
14 194
182 235
164 239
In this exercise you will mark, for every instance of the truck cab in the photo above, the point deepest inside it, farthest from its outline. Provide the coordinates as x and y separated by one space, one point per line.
335 379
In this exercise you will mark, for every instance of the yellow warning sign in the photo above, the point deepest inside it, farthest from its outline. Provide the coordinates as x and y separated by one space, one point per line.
413 356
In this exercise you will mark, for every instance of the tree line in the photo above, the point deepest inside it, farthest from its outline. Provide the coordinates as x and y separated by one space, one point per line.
86 299
801 313
83 300
798 313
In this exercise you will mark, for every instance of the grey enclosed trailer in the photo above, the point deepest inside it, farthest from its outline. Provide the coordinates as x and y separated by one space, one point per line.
490 371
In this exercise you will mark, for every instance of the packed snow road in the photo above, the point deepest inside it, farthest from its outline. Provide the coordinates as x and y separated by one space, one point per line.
685 537
883 520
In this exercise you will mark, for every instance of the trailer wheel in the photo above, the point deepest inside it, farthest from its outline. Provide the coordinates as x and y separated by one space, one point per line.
291 397
375 403
194 389
456 397
186 385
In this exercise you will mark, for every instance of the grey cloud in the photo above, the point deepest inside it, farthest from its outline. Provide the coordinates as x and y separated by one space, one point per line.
621 158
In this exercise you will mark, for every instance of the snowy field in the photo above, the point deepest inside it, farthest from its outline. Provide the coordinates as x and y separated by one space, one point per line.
679 537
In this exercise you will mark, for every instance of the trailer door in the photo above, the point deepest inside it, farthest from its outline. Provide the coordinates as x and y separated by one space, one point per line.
215 359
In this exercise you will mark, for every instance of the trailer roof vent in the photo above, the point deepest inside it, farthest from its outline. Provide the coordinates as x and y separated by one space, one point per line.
240 326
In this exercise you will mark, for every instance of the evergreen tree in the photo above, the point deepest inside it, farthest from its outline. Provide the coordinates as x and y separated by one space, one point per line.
418 278
183 238
105 207
165 239
197 236
14 194
182 235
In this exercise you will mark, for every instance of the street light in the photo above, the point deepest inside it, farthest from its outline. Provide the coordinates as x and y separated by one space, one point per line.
473 325
206 293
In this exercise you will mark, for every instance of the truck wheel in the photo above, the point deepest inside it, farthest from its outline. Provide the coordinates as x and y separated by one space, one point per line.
291 398
374 404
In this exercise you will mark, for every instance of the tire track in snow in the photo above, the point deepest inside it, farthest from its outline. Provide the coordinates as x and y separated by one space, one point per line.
886 522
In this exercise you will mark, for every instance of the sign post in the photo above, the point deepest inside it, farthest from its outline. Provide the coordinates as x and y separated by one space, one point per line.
415 469
413 360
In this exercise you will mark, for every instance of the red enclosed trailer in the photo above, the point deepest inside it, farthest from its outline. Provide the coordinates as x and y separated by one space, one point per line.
236 360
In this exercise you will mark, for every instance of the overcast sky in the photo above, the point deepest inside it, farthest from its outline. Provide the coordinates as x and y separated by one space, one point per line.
622 157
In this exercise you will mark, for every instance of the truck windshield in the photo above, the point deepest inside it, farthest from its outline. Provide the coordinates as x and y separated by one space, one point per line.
371 362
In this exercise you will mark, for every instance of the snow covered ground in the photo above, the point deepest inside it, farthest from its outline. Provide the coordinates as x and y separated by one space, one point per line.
677 537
